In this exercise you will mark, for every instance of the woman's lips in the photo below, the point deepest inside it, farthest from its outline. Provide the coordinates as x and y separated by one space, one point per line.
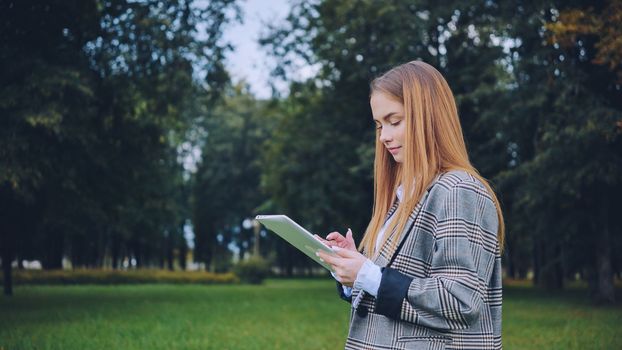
394 150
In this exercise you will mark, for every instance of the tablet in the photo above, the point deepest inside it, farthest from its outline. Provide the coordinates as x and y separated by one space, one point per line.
296 235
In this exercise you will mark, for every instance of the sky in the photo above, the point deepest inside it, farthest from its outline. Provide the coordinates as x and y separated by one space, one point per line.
248 60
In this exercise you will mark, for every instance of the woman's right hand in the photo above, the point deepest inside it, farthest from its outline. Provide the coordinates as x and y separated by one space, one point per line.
336 239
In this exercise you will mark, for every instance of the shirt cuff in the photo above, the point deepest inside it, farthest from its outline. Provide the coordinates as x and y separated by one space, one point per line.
347 291
368 278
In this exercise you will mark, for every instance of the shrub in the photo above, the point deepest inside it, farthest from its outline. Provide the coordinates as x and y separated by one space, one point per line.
252 270
101 276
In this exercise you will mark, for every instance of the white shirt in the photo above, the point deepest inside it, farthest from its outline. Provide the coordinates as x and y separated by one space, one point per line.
369 276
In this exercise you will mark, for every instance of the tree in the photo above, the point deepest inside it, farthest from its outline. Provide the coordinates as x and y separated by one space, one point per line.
43 85
96 100
226 188
564 125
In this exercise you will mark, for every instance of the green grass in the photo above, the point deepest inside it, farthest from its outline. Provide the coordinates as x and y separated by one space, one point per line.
536 319
277 315
281 314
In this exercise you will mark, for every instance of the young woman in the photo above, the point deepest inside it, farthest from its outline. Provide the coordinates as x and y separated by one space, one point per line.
428 274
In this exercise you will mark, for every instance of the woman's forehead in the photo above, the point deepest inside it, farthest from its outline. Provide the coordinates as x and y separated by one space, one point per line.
382 105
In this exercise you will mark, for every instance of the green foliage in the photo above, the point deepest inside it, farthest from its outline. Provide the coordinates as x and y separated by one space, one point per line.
105 277
97 97
227 182
564 179
253 270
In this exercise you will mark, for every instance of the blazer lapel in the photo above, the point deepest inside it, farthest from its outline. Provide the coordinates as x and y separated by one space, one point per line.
384 256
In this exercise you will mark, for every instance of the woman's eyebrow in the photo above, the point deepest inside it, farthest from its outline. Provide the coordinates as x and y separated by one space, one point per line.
390 114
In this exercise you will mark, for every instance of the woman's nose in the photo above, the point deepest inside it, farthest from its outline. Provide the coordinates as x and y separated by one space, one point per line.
384 135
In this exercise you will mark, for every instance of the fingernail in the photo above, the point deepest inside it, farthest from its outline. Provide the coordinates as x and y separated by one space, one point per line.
317 254
336 248
322 260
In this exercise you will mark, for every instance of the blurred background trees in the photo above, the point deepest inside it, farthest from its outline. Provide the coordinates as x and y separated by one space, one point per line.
97 97
104 102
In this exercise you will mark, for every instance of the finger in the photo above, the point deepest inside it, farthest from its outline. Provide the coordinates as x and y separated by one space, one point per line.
335 236
327 258
329 244
321 239
344 253
349 236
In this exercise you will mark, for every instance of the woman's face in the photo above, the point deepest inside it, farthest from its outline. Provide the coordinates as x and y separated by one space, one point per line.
389 119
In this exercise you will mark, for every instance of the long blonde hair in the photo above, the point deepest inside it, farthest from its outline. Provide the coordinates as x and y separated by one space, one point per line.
433 144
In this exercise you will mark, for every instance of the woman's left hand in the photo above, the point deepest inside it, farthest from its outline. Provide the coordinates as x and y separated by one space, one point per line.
346 264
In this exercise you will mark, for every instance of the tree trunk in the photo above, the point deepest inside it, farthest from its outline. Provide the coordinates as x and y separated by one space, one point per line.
551 273
115 251
522 272
8 280
7 258
289 263
10 208
169 261
510 266
603 289
7 253
183 252
210 265
536 260
137 253
549 268
242 251
210 249
54 254
169 251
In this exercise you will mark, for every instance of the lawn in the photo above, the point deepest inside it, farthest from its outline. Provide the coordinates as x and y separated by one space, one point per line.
281 314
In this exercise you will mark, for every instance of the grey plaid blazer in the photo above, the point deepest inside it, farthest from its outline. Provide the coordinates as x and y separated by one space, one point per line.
441 289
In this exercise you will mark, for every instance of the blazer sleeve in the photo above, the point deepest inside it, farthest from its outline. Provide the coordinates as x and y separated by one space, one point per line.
465 248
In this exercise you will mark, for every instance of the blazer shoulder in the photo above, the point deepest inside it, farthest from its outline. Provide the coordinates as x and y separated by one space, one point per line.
451 179
458 179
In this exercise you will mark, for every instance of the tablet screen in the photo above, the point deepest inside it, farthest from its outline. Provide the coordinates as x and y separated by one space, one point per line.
296 235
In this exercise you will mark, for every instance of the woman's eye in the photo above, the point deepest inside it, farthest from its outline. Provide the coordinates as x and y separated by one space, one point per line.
396 123
378 127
